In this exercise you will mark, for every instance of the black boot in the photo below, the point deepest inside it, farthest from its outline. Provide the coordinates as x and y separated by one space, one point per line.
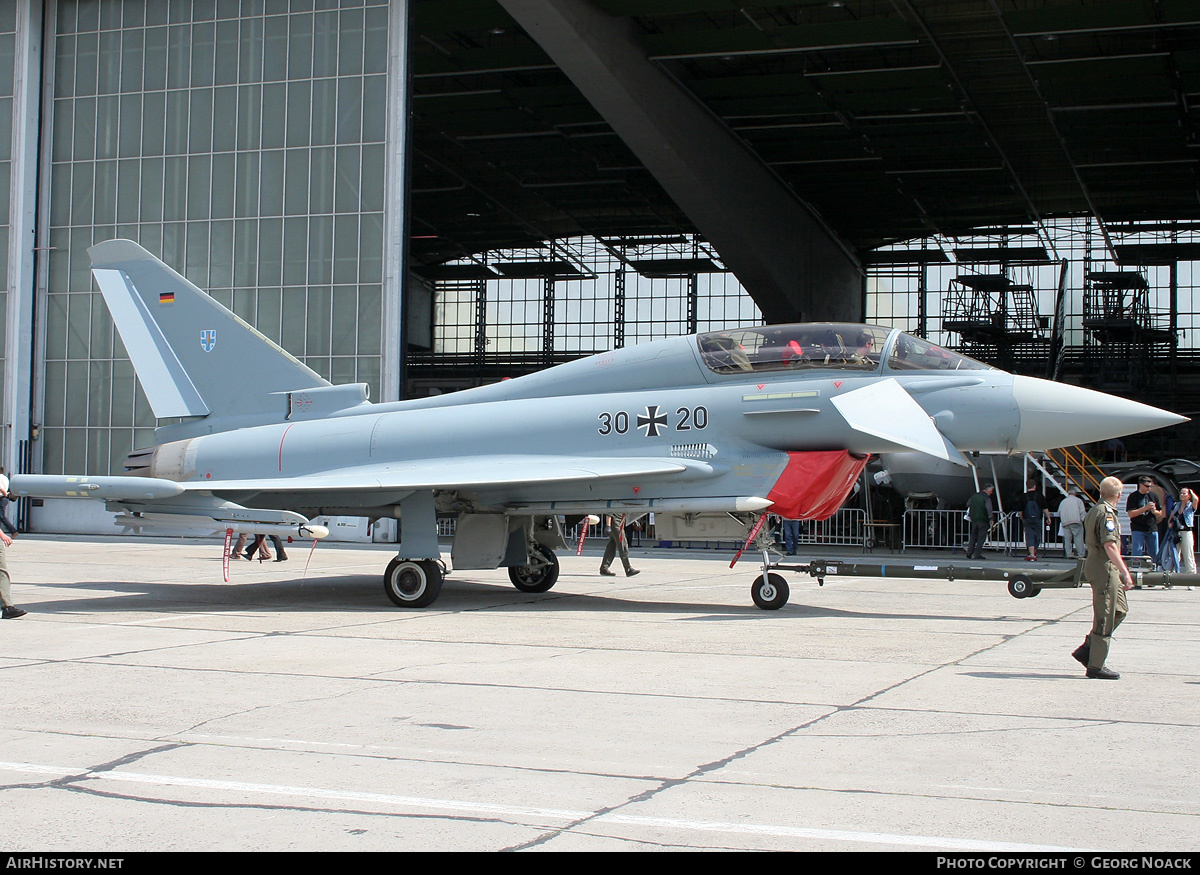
1082 653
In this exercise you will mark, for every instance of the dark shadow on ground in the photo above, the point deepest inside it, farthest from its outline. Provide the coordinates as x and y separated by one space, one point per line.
357 592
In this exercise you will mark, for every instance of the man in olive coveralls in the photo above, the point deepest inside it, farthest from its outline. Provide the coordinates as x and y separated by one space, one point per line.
1109 577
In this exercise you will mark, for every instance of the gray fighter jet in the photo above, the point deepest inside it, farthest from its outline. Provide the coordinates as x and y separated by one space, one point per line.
779 418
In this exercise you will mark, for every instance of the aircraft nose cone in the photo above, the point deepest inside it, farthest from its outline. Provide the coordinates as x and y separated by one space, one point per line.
1058 415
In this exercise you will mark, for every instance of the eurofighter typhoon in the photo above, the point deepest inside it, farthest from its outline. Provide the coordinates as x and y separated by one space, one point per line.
778 418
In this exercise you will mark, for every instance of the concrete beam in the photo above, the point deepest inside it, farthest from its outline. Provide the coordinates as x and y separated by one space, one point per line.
17 417
793 266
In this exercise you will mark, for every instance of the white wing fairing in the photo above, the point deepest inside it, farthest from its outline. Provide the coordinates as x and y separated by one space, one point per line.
885 410
164 380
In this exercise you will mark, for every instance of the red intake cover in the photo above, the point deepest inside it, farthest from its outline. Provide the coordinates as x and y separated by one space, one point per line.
814 485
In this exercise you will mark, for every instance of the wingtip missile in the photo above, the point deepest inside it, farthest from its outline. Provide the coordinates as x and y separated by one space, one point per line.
113 488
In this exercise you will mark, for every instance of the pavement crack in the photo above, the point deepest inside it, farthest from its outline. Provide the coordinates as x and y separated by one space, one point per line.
72 781
221 717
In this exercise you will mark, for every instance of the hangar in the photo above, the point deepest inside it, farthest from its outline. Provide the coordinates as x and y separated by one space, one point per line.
427 194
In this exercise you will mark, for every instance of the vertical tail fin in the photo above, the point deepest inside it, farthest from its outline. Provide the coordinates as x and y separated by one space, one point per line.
193 357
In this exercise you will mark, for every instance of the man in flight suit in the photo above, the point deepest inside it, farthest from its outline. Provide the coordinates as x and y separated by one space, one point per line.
1108 576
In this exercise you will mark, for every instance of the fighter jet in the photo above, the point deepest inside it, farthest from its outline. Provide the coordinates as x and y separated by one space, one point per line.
780 418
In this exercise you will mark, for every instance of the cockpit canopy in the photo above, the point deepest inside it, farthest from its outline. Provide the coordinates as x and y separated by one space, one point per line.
828 345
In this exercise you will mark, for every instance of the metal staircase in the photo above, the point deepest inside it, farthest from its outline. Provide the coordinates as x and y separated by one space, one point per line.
1070 466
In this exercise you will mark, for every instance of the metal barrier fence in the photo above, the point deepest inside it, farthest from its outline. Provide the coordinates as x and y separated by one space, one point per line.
846 528
934 529
949 530
920 530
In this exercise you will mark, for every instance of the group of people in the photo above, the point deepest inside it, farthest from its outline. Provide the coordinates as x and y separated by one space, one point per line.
259 545
1033 512
1161 526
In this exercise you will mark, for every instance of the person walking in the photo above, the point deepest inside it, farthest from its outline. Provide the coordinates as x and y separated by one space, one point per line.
1070 516
8 610
264 555
979 520
617 546
1108 577
1034 515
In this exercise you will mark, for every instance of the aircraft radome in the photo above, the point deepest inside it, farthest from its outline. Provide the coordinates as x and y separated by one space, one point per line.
779 417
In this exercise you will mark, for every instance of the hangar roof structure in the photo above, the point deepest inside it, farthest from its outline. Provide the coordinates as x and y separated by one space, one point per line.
888 119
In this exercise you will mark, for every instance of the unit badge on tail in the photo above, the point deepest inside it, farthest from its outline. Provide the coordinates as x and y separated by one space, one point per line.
208 338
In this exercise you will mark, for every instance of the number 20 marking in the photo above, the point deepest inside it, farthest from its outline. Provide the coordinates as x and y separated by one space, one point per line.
698 418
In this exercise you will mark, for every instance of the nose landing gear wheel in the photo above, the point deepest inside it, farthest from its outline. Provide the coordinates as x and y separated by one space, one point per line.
412 583
770 593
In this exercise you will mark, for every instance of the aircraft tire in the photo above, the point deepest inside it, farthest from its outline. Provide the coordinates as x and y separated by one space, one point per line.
1021 587
412 583
539 575
770 594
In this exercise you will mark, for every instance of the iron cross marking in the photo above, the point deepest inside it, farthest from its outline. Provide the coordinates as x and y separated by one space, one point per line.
652 420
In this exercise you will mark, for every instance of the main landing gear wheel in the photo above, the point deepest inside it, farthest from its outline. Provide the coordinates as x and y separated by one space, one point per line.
539 575
1021 587
770 594
413 583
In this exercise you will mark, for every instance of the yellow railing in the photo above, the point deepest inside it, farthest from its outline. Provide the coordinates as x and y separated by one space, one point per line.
1079 469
